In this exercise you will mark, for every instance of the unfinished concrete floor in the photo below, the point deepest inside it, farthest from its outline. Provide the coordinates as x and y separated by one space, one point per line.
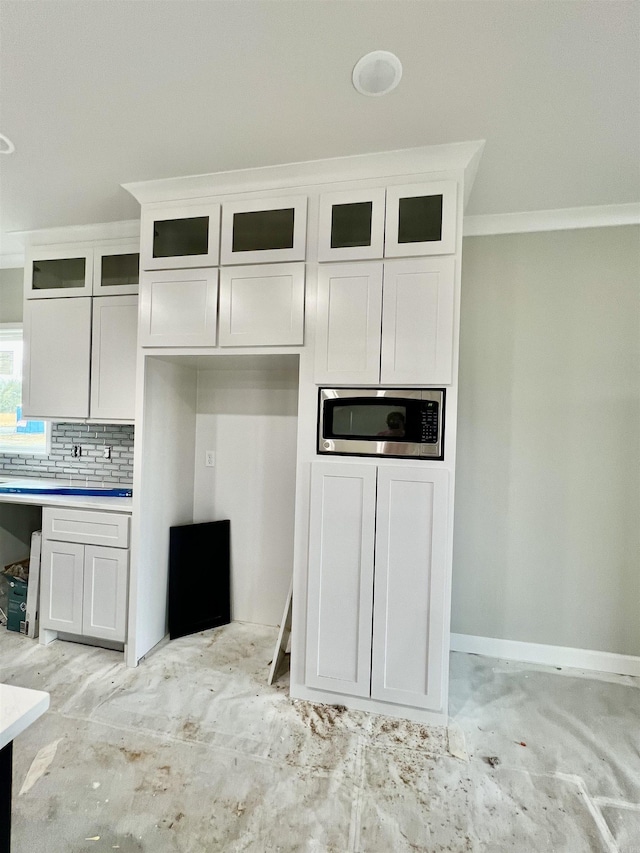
192 752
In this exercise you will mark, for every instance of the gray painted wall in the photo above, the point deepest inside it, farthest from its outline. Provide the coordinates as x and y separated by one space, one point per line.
11 295
547 524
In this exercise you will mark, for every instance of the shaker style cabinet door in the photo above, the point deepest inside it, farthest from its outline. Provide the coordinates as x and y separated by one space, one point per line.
57 355
421 219
409 645
348 322
264 230
62 580
116 269
56 272
113 357
262 305
418 321
104 610
340 591
178 308
351 225
179 236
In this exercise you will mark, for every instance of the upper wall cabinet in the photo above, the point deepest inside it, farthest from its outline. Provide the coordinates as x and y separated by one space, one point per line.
263 231
351 225
178 308
180 236
262 305
82 270
416 219
53 272
421 219
390 323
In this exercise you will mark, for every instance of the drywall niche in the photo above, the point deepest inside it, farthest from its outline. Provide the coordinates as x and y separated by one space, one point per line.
247 414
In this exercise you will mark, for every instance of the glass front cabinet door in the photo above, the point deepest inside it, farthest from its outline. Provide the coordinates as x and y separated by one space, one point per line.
180 236
264 231
116 269
351 225
421 219
54 272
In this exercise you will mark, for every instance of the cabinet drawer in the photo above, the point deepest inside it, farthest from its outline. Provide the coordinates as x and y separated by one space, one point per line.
86 527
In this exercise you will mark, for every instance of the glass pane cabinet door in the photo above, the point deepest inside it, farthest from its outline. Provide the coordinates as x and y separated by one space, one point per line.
351 225
58 272
116 270
174 238
263 230
421 219
180 236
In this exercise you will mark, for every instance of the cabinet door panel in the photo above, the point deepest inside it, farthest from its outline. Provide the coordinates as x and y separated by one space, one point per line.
57 358
351 225
61 586
264 230
340 594
348 323
421 219
180 236
262 305
409 645
105 593
417 324
178 308
53 273
116 269
113 357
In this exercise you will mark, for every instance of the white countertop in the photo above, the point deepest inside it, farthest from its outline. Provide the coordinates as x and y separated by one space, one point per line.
19 707
74 501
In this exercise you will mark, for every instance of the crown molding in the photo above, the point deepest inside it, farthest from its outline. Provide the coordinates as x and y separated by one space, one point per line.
461 156
564 219
125 229
13 261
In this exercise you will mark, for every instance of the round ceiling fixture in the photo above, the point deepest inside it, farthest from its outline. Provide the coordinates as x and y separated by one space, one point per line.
6 145
377 73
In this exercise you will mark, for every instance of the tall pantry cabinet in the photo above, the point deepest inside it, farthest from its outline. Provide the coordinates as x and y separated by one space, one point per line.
354 264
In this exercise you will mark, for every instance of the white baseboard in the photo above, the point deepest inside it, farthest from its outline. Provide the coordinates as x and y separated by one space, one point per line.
547 655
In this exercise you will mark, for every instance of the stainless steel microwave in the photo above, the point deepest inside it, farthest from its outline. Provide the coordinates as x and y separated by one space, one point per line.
398 422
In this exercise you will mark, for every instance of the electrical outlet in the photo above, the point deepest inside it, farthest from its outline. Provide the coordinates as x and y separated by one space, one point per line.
210 459
76 451
106 452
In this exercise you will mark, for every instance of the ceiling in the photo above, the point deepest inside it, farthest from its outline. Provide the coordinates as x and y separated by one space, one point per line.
96 94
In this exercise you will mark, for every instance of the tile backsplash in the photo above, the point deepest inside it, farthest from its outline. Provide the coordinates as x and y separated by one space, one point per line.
91 466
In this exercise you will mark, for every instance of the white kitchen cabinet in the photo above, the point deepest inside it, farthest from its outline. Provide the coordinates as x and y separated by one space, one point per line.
348 322
377 582
57 271
262 305
180 236
57 358
410 584
351 225
340 592
83 580
418 321
66 374
116 268
389 324
178 308
269 230
420 219
61 587
113 357
81 269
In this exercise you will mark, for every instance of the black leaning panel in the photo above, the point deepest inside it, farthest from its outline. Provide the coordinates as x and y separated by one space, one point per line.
199 577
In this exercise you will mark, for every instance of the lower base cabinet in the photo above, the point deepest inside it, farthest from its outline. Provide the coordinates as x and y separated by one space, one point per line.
377 582
84 585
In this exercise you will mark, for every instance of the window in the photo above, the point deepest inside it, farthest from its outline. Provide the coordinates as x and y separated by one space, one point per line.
17 435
